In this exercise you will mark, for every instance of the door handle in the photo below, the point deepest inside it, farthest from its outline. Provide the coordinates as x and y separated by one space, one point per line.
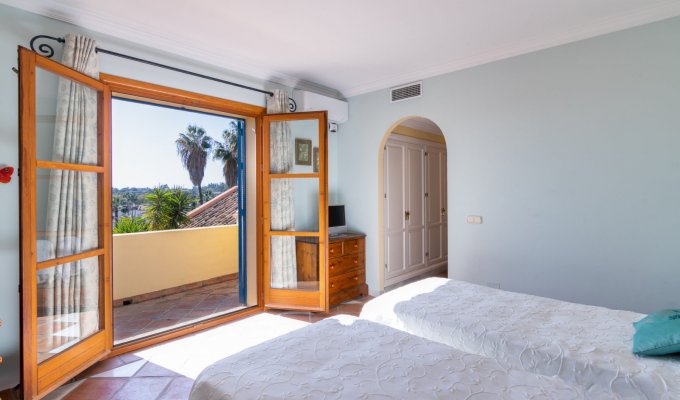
443 211
407 215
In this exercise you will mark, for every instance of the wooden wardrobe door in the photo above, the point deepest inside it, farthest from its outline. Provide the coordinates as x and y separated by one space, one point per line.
394 210
415 207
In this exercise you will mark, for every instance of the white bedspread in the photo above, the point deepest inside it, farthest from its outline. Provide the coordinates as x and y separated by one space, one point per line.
347 358
584 345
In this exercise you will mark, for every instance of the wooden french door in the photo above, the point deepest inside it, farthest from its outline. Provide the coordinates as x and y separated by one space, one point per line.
65 222
295 207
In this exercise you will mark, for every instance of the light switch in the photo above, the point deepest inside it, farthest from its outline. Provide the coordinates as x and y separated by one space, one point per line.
474 219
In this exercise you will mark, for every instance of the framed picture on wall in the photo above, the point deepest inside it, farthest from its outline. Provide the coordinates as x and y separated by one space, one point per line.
303 151
315 158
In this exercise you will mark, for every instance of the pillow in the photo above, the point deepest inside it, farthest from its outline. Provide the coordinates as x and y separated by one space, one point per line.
657 334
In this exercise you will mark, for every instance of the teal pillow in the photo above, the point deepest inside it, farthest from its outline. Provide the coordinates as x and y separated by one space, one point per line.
657 334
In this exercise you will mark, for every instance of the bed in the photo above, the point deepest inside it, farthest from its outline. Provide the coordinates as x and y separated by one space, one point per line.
347 358
584 345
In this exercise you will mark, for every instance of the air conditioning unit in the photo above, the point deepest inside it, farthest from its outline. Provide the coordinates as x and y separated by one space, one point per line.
338 110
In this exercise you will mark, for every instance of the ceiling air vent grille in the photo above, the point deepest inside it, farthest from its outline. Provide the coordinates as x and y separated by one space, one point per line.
405 92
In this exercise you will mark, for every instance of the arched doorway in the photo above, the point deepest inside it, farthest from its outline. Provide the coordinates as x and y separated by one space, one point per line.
413 202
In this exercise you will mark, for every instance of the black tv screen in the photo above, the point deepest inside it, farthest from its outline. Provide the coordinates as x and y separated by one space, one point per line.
336 216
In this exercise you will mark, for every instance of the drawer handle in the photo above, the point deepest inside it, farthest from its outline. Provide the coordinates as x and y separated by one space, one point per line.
356 278
332 266
356 261
356 245
332 285
332 250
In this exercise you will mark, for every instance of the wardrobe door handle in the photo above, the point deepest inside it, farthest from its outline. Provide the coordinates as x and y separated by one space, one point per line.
407 215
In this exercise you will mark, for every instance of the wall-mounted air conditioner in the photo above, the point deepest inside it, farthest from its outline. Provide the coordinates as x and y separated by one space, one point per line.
338 110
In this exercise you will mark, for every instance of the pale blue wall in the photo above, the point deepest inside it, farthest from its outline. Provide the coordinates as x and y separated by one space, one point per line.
16 28
571 154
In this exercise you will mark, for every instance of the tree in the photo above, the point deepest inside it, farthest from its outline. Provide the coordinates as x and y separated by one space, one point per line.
193 147
167 209
116 205
155 213
179 203
208 194
131 225
227 152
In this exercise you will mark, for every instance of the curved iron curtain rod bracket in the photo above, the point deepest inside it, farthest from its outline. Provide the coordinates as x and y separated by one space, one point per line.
45 49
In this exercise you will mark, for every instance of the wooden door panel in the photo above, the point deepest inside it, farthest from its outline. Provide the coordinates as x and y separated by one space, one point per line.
395 260
394 188
415 249
415 223
65 245
295 219
434 239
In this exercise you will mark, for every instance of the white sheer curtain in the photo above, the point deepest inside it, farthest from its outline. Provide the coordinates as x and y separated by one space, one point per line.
69 293
282 260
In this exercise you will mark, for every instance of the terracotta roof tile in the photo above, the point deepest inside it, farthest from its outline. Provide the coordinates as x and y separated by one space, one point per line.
221 210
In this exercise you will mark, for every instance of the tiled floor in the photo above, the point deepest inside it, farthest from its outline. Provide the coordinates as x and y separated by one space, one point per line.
147 317
167 371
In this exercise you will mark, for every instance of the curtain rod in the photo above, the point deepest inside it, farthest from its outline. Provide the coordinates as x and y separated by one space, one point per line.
46 50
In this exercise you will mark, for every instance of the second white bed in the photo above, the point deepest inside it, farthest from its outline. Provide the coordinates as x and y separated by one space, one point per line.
584 345
347 358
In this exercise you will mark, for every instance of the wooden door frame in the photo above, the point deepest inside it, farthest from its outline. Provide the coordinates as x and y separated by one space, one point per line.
292 298
167 96
97 345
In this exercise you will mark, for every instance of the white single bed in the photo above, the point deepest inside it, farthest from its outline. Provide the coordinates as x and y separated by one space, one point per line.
347 358
584 345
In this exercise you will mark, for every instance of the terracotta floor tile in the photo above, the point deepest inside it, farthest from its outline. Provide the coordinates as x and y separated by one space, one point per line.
129 357
151 369
102 366
142 389
97 389
178 389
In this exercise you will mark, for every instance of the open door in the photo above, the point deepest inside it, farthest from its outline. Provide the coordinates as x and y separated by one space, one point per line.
65 176
295 207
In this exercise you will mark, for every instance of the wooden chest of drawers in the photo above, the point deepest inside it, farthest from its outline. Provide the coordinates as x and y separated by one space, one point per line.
346 267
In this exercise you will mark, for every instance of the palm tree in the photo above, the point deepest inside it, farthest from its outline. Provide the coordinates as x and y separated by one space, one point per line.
167 209
179 203
155 212
227 153
193 146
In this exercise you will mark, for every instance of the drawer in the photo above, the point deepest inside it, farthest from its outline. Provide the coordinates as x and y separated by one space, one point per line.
347 280
353 246
340 265
334 249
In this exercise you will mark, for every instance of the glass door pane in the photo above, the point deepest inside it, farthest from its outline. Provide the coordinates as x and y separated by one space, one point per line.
295 231
65 224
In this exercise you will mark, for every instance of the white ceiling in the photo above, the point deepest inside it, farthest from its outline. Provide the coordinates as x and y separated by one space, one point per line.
353 46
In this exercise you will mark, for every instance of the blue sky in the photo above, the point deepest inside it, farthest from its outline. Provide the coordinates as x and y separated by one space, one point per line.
144 152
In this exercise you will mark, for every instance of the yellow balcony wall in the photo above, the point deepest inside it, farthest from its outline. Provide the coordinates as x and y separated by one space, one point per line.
146 262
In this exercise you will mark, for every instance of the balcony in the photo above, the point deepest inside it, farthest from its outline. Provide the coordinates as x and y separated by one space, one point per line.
164 279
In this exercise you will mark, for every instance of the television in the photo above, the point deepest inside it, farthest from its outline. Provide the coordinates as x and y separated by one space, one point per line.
336 220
